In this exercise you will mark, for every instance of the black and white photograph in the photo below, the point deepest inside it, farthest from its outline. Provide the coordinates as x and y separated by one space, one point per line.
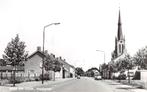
73 45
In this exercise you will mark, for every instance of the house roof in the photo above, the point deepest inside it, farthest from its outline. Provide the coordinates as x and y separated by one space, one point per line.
38 53
64 62
72 66
51 55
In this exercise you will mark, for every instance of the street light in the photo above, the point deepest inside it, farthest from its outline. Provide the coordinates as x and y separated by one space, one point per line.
43 46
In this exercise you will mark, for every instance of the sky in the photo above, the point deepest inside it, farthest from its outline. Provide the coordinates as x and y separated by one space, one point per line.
86 26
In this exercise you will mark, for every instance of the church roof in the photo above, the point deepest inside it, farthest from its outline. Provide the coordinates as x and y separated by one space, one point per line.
119 33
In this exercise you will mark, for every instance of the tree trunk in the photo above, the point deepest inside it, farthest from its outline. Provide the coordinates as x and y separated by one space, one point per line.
14 75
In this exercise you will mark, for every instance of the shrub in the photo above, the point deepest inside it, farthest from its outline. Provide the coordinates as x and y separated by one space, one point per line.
17 80
136 76
122 77
3 82
45 76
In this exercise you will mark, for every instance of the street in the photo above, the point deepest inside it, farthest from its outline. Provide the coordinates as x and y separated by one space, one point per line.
81 85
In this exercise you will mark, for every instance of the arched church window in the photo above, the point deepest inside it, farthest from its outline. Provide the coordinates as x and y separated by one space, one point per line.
122 48
119 48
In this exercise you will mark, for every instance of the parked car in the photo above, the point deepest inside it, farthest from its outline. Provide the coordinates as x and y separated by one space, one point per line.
98 77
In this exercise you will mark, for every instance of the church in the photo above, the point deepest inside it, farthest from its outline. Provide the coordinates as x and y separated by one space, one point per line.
120 48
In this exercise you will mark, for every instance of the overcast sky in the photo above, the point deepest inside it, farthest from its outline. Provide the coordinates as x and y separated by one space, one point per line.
86 26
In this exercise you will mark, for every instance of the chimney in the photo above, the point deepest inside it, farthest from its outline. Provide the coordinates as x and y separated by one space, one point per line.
38 48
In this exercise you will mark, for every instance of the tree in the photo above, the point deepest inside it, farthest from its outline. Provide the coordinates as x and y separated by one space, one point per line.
140 58
2 62
124 63
79 71
113 66
104 69
15 53
129 64
90 72
52 64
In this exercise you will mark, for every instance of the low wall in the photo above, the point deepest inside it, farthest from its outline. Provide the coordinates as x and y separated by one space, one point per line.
143 77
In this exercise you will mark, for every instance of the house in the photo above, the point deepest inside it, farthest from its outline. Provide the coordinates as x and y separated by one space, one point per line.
72 71
33 66
67 70
34 63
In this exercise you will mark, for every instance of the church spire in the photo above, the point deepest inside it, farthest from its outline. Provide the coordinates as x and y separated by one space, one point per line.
119 33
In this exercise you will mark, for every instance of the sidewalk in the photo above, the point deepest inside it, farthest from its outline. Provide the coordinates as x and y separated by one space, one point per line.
129 87
31 85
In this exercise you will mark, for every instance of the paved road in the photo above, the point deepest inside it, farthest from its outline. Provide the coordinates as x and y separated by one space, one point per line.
88 85
82 85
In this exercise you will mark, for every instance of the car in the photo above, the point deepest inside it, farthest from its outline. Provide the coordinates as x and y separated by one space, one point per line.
98 77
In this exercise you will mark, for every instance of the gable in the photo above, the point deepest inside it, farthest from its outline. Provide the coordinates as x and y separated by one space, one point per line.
36 53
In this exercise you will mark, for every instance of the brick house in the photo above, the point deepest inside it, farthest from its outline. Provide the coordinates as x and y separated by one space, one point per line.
34 62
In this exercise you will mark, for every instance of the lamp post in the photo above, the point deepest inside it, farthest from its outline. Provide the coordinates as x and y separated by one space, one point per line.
104 61
43 46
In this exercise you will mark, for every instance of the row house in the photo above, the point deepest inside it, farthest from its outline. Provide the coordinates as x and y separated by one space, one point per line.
33 66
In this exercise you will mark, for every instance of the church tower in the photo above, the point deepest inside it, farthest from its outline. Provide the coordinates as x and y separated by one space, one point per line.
120 38
119 41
